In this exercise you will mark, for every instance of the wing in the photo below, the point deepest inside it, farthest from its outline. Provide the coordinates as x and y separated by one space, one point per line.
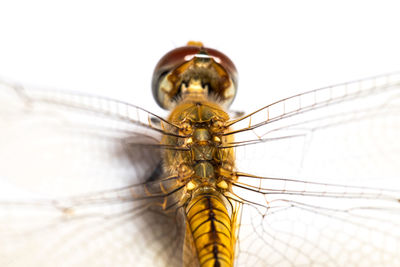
308 201
319 177
73 169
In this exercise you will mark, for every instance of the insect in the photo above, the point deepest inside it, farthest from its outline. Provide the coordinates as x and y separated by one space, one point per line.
310 180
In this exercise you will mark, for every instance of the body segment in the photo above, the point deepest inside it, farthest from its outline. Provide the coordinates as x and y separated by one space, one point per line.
202 167
196 84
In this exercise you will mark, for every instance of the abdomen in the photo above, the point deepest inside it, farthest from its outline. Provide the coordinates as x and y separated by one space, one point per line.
210 225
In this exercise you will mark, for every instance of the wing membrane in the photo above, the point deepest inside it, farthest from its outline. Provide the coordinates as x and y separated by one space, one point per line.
358 128
318 180
317 99
73 178
328 186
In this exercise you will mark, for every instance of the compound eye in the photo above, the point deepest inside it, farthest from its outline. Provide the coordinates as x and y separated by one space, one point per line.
167 80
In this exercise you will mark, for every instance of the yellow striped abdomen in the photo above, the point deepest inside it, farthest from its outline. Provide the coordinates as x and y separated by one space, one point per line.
210 224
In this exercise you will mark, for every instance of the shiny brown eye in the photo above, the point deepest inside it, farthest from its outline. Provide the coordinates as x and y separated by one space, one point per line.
168 73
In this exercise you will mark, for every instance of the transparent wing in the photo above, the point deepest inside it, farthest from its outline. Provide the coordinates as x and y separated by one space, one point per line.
319 178
72 173
315 197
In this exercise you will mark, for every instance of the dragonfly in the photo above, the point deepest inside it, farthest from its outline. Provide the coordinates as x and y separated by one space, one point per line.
309 180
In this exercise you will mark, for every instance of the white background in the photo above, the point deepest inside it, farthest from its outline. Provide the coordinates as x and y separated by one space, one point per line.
279 47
